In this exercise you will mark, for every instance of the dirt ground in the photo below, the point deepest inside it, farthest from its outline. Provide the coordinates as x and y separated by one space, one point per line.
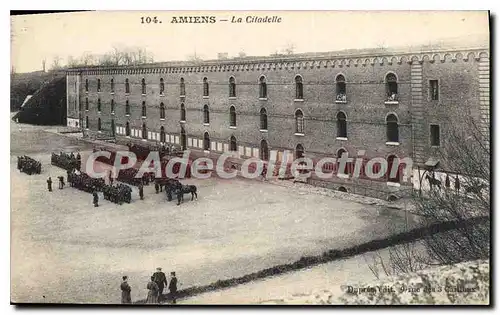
65 250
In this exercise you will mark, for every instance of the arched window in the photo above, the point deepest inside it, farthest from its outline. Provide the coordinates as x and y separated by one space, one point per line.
206 115
232 144
183 112
262 87
144 131
127 86
299 89
98 104
127 108
143 85
299 151
113 127
205 87
391 161
206 141
112 106
86 85
299 122
86 103
183 87
98 85
87 122
162 111
143 108
99 124
232 116
392 128
391 86
232 87
340 88
127 129
163 137
341 125
112 86
264 150
162 86
263 119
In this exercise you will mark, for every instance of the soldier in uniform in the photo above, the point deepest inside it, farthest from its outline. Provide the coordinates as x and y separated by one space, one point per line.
96 199
141 191
172 287
125 287
457 183
161 280
49 184
61 182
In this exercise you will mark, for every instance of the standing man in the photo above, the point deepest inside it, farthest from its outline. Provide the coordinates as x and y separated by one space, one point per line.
172 287
141 191
61 182
96 199
49 184
126 299
161 280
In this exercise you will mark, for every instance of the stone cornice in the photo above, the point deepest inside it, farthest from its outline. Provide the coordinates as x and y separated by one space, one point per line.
296 62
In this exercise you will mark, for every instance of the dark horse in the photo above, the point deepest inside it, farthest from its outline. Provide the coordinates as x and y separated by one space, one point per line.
433 181
186 189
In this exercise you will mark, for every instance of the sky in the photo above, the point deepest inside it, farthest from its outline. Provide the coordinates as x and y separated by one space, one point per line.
46 36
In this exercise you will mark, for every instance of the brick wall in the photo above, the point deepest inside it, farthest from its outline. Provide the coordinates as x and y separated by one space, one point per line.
365 108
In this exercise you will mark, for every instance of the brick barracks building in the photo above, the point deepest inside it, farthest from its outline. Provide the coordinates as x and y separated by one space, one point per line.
386 103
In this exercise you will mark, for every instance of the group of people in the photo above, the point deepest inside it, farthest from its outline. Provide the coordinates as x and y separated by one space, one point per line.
117 193
84 182
66 161
28 165
129 176
155 288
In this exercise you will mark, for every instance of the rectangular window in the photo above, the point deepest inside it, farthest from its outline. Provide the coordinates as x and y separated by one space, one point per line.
434 90
435 141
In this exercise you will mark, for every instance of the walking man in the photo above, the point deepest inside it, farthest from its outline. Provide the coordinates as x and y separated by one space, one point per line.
49 184
161 280
126 299
172 287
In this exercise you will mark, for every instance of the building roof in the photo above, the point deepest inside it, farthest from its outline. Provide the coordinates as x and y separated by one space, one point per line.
474 43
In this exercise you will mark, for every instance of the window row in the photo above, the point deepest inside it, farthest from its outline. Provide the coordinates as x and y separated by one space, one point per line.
391 84
391 123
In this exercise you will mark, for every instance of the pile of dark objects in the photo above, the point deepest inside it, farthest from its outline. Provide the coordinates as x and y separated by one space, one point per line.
84 182
118 193
28 165
66 161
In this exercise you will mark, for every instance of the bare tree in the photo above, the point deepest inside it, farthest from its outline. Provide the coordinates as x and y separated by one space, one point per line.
464 200
289 49
466 156
88 59
56 63
116 55
72 62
